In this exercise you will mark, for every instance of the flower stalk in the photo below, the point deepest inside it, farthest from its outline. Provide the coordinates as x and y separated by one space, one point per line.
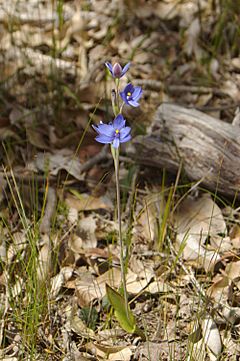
115 153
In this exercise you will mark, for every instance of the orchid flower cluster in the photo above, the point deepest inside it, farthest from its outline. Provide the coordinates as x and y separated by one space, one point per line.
117 132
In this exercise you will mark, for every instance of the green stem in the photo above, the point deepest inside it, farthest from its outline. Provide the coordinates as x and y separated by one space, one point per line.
116 164
117 91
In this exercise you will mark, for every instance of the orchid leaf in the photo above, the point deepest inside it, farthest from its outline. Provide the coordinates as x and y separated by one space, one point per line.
124 317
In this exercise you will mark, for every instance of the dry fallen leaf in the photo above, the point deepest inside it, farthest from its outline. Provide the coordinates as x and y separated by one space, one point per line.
53 163
195 220
110 352
192 35
87 231
88 290
86 202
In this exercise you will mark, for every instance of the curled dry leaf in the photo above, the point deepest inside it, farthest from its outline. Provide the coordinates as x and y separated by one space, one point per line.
232 270
192 36
19 243
124 355
72 215
85 236
86 202
86 231
58 281
76 324
218 291
110 352
234 235
230 88
89 290
195 220
201 216
53 163
136 282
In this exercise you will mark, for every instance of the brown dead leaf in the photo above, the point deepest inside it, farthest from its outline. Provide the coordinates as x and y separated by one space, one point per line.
167 9
201 216
85 236
88 290
192 35
54 162
196 220
86 231
86 202
231 88
37 137
218 291
19 243
58 281
96 289
111 352
235 236
76 324
232 270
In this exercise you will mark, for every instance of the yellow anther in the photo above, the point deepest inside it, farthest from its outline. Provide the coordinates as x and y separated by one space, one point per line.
117 131
129 94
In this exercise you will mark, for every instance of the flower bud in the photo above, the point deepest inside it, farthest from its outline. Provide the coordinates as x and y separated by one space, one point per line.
117 70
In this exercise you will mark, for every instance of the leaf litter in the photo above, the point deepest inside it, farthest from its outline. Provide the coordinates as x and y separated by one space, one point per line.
62 215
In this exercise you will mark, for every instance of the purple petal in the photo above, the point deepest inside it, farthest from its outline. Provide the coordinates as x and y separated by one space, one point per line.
137 92
116 142
119 122
125 69
101 138
133 103
126 139
123 96
124 133
128 88
109 66
106 129
95 128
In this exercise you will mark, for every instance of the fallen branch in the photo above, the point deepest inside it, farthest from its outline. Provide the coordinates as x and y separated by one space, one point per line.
208 148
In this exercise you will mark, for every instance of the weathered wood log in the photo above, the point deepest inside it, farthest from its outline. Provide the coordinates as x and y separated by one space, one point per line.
207 148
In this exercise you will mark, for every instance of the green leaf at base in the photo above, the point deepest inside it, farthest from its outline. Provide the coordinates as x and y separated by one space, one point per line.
124 317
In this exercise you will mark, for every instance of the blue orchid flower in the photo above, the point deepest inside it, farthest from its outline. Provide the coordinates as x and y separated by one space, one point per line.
113 133
116 70
130 95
